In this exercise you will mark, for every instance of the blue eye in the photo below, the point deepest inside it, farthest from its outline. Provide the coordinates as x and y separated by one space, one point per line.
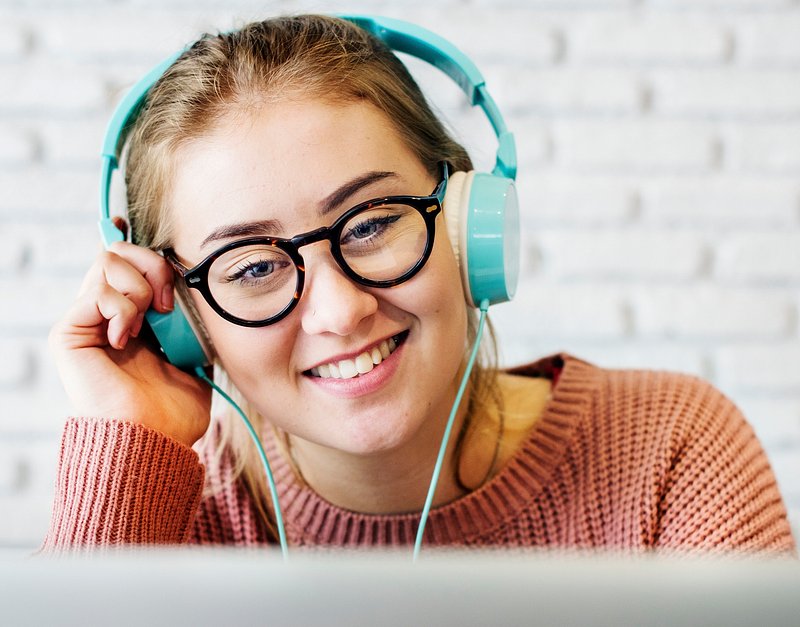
370 227
252 271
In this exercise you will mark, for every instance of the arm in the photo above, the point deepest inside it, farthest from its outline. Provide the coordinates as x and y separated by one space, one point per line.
720 493
122 483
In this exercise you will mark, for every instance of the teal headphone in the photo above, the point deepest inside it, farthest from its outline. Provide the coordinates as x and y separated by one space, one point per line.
481 209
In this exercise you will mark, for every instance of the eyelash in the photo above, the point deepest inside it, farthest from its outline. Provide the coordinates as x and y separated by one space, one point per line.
385 220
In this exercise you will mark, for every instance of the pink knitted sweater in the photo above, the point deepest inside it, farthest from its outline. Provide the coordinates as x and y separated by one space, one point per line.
626 460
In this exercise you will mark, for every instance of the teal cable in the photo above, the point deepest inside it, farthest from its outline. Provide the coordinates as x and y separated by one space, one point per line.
272 489
484 306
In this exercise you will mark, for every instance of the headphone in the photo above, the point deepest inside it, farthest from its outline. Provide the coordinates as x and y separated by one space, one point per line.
481 209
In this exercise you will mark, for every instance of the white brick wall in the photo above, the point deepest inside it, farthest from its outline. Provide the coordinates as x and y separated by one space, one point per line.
659 177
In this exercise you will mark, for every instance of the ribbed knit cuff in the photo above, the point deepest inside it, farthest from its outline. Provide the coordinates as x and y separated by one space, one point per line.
122 483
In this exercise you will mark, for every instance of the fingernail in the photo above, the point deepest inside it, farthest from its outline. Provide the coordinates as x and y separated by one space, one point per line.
137 325
167 301
123 341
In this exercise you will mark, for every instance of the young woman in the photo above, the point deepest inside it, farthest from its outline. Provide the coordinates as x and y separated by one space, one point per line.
281 129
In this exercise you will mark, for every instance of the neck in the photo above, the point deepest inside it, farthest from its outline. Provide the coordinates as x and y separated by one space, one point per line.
388 482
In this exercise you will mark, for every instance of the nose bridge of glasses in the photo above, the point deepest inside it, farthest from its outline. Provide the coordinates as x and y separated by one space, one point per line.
312 237
322 234
317 235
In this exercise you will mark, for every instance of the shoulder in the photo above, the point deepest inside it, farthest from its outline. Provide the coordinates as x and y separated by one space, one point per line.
684 405
670 408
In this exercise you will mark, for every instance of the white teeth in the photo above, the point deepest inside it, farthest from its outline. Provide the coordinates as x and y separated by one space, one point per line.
364 363
347 369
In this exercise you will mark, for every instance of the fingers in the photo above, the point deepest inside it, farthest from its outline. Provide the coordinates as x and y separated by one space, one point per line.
123 283
101 317
141 274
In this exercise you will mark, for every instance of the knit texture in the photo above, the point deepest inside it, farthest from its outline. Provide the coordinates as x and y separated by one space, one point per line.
622 460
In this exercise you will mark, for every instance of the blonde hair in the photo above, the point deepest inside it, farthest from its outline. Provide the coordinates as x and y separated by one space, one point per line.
309 56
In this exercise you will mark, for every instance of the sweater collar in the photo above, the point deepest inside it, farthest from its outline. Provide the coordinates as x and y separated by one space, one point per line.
311 520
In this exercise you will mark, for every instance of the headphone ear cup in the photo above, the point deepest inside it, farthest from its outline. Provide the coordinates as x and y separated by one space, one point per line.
482 218
182 343
456 210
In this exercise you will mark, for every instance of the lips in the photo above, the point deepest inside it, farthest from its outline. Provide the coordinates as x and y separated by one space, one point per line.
361 364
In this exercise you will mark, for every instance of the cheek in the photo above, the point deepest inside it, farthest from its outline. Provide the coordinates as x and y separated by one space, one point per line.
445 295
249 355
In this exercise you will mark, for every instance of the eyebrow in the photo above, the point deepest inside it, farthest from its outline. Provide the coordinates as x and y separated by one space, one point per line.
351 187
328 204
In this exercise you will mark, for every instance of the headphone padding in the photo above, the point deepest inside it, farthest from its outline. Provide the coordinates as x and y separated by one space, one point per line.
456 208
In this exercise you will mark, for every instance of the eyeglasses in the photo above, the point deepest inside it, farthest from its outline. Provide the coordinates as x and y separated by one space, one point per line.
257 281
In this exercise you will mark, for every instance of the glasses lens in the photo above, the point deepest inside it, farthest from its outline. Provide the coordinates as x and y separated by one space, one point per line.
384 242
253 282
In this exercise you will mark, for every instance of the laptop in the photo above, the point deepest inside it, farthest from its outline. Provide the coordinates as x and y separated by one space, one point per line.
235 587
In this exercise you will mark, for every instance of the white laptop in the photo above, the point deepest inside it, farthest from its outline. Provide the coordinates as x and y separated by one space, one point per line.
224 587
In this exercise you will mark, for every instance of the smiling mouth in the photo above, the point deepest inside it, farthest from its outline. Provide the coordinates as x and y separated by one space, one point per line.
362 364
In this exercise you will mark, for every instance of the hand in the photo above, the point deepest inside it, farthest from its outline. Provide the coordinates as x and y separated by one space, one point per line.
105 369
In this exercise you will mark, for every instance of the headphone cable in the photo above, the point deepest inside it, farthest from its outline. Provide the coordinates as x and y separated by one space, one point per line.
484 306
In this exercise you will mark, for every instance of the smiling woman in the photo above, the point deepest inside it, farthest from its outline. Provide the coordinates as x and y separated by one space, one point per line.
308 204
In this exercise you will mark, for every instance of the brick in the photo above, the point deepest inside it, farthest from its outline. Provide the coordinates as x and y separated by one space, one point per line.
48 192
49 86
759 257
27 465
749 92
523 39
39 301
707 312
17 366
612 254
635 147
28 525
15 40
473 131
567 90
721 202
642 354
786 465
768 368
766 148
17 146
33 400
543 311
112 35
14 251
776 421
69 142
65 250
582 201
769 39
657 38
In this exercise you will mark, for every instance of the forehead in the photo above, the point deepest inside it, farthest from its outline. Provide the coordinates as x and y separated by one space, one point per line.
279 162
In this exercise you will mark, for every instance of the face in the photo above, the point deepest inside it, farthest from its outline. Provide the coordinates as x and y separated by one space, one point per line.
290 168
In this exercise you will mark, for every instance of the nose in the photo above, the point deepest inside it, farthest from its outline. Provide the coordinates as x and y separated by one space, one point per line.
332 302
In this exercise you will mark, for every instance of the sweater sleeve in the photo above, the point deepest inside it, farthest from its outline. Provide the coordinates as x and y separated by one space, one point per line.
122 483
720 492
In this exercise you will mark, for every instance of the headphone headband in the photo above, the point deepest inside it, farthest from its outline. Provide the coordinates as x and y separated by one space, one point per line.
481 210
398 35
